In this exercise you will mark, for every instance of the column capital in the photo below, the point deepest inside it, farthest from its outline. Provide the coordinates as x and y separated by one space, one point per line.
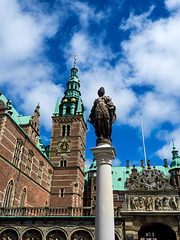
104 154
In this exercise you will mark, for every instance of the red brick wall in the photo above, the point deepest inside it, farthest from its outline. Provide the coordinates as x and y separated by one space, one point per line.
37 194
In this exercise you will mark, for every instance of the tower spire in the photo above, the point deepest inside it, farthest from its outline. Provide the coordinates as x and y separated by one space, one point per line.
75 58
71 104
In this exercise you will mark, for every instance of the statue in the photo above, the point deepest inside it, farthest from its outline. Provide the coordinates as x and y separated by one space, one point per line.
103 116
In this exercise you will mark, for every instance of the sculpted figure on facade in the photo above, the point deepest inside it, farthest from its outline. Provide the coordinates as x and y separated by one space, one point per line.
140 202
173 202
102 116
134 204
149 203
165 202
126 204
158 203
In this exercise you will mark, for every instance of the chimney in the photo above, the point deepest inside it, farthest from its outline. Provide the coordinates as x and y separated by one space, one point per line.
127 163
165 163
142 163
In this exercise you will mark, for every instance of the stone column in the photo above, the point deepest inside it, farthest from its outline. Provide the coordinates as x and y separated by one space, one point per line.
104 217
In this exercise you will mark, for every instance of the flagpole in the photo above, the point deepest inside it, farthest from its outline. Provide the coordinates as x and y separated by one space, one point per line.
143 141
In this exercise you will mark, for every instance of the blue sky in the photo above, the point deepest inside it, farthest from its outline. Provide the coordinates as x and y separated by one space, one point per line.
129 47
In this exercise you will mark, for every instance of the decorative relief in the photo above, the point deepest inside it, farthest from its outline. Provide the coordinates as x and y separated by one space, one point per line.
151 203
149 179
2 104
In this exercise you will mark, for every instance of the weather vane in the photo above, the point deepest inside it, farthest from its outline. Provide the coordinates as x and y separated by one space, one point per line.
75 57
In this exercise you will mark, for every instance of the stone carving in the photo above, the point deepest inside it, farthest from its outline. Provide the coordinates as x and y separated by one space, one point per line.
165 202
174 203
149 179
140 202
102 116
134 204
149 203
126 204
137 203
158 203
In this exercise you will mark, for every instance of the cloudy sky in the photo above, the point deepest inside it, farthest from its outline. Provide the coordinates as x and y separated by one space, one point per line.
130 47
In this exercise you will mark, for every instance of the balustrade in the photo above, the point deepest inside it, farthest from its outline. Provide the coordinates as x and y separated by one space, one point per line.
51 211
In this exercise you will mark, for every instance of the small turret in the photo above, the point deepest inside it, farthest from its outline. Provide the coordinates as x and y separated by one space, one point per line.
175 168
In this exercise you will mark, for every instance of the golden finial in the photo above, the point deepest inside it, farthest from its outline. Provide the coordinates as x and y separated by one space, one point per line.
75 57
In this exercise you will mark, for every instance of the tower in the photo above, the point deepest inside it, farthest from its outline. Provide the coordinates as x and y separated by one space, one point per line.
67 147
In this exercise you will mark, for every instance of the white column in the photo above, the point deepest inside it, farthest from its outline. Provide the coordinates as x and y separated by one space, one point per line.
104 218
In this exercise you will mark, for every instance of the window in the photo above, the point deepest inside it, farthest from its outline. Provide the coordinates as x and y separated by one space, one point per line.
95 188
29 162
41 164
66 130
63 163
8 194
49 179
61 192
17 152
23 198
63 130
121 197
68 110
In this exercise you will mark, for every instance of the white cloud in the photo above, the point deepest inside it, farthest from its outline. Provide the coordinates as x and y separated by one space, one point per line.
88 163
172 4
116 162
165 151
23 64
154 54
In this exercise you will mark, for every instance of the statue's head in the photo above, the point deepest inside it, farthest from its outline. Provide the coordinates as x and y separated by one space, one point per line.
101 92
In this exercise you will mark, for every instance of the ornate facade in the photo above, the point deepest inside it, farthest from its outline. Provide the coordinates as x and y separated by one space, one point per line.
46 192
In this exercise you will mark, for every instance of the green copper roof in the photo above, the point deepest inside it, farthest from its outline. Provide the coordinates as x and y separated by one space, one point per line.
120 174
175 158
43 148
79 105
56 110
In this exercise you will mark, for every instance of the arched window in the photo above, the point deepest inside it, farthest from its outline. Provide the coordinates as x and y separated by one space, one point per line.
56 234
81 235
9 234
32 235
68 110
23 198
46 203
68 130
8 194
17 152
63 130
63 163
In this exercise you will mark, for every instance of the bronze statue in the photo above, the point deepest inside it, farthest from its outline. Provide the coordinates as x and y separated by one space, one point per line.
103 116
